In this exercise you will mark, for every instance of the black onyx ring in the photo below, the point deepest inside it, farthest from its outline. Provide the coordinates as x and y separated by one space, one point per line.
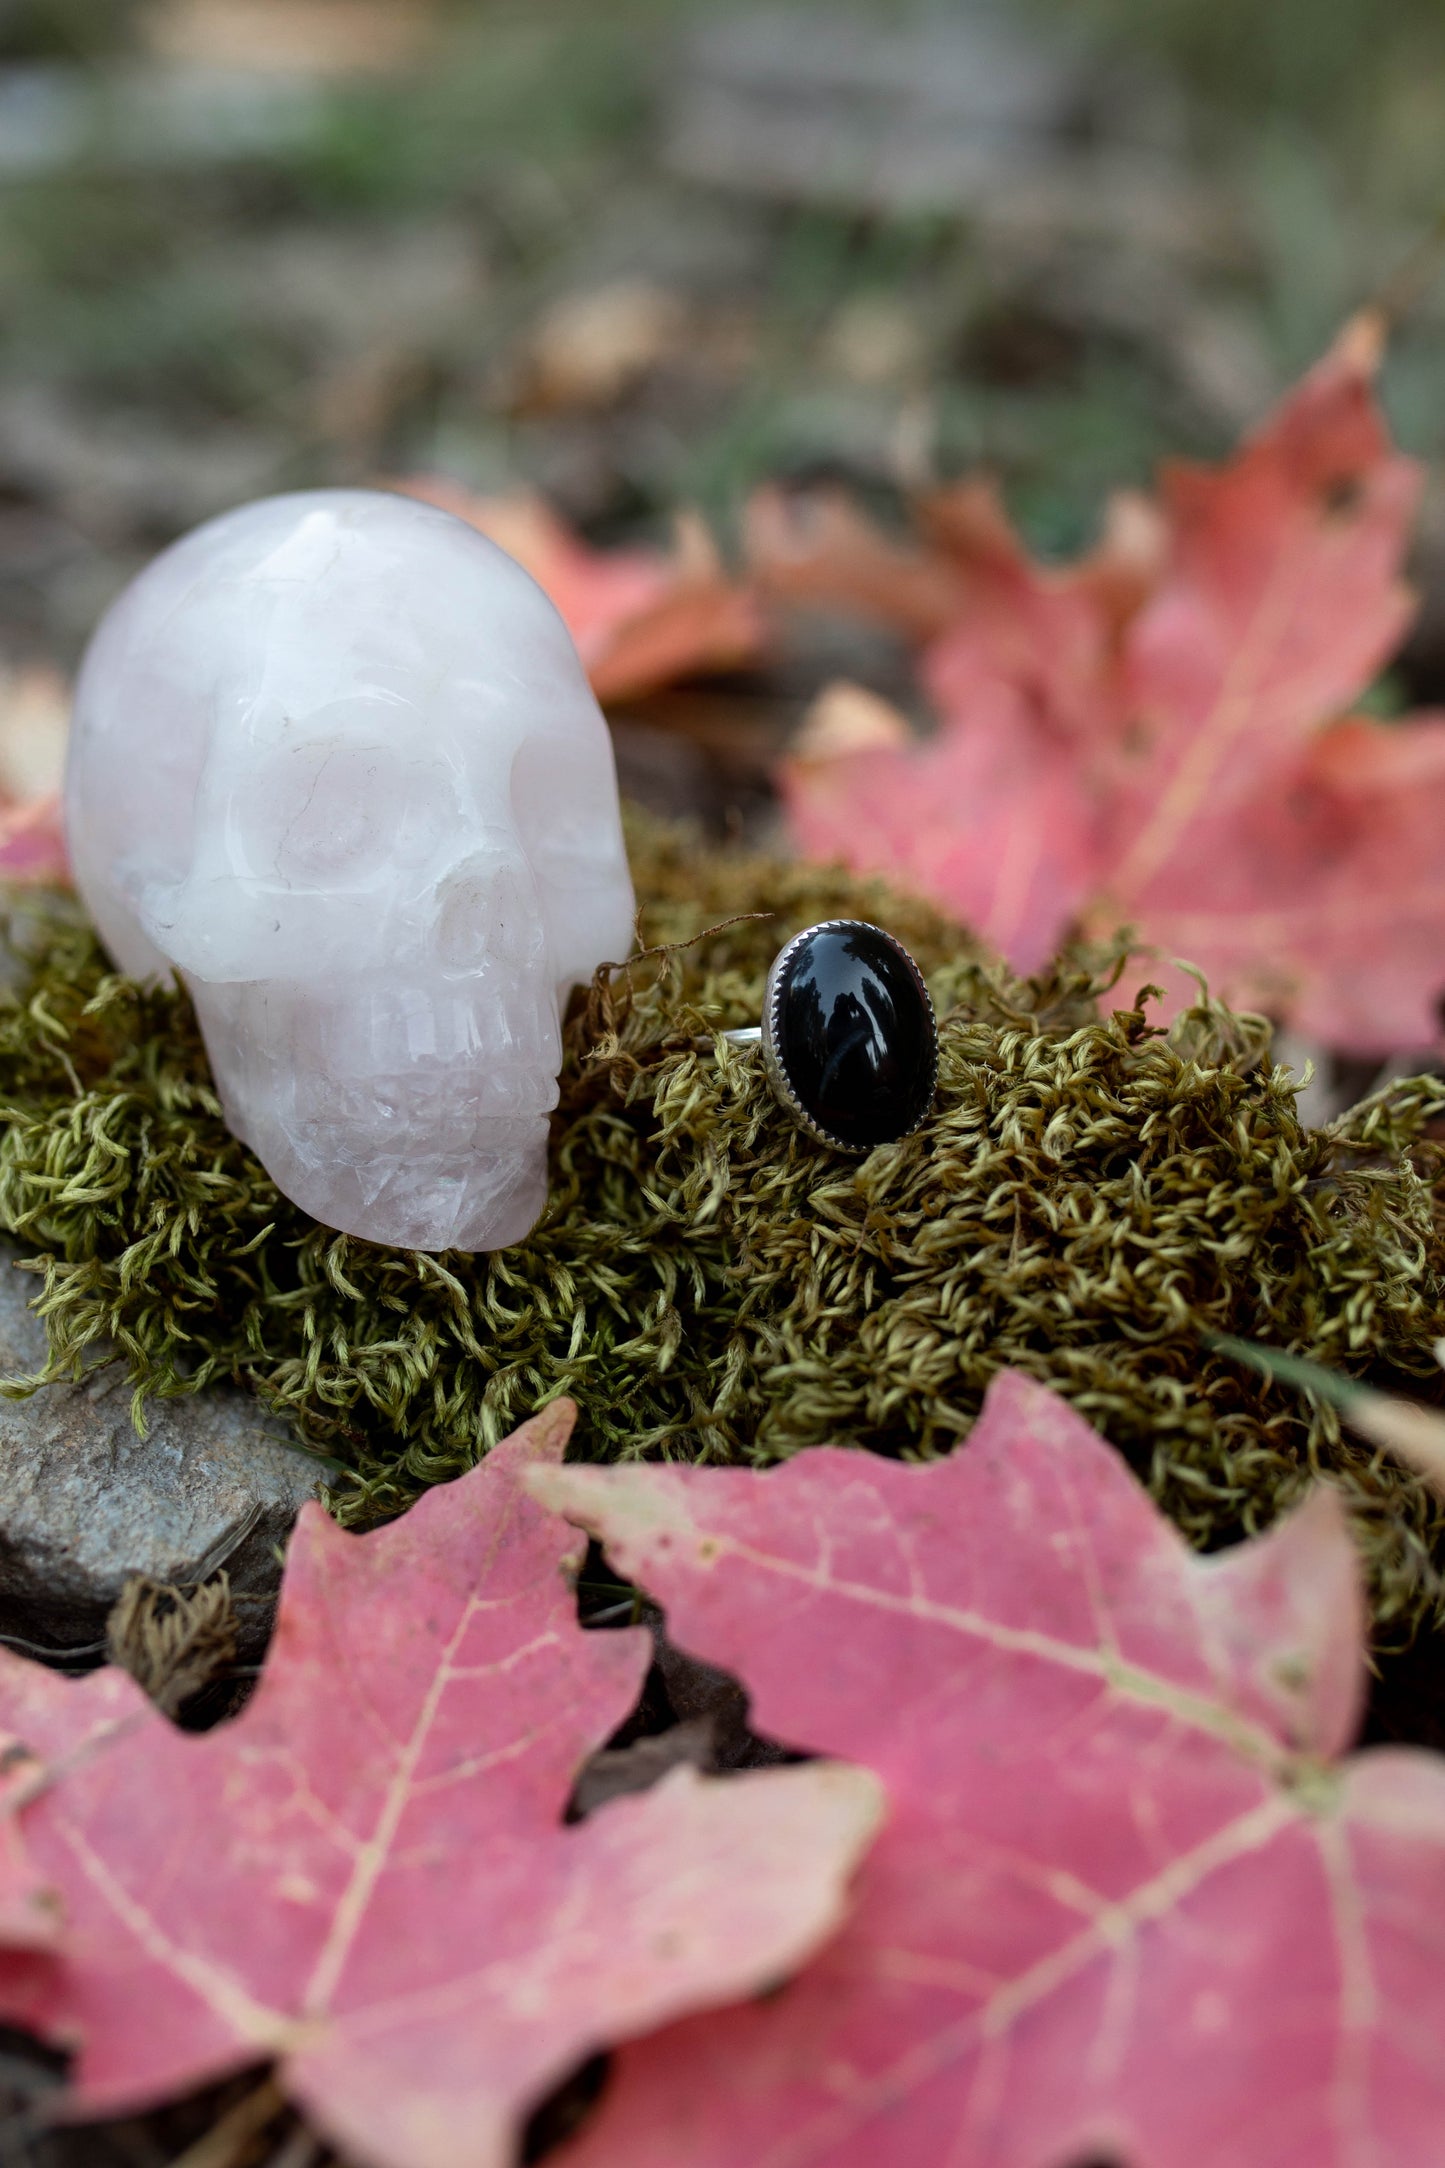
848 1035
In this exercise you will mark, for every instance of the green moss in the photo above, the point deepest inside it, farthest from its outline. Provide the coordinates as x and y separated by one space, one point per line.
1090 1198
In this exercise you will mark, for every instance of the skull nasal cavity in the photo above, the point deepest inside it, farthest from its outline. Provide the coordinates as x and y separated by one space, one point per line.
487 914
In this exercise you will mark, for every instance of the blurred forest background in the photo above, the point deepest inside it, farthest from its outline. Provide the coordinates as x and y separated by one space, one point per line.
646 254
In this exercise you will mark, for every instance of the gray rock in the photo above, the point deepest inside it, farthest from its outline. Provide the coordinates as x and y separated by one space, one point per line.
958 110
149 116
85 1501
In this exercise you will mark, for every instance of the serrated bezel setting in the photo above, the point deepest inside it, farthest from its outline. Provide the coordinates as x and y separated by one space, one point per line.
784 1086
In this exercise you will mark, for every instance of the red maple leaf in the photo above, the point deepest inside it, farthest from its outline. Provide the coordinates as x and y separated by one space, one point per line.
640 619
98 1711
1128 1902
34 724
32 842
1160 736
366 1876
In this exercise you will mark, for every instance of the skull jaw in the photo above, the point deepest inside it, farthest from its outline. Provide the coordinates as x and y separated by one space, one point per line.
484 1199
444 1150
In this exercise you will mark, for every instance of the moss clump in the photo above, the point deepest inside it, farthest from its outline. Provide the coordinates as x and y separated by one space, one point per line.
1090 1200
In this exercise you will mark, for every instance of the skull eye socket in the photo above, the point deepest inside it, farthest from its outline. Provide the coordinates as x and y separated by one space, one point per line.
343 824
343 816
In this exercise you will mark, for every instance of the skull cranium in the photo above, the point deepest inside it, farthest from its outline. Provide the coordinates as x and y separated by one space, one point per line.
336 763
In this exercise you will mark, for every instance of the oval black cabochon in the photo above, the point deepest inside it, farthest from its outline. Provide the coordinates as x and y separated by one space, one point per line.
853 1033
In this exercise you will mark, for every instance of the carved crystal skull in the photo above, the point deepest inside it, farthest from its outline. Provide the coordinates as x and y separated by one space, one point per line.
336 763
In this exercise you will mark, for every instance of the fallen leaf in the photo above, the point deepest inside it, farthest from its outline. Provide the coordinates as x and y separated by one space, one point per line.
986 817
1323 900
34 727
847 718
29 1911
1160 736
1129 1904
89 1718
640 619
32 842
1281 600
34 730
877 341
366 1875
983 820
817 547
320 38
593 346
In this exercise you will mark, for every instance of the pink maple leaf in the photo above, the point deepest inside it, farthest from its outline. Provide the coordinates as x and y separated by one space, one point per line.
1129 1902
34 726
640 618
1160 736
366 1876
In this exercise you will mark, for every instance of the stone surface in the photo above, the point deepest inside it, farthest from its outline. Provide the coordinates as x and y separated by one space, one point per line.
336 763
85 1501
970 108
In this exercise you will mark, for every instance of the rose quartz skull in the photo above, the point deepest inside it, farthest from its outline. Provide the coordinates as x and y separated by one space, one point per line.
336 763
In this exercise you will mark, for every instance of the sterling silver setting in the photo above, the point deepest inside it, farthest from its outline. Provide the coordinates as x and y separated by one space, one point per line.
772 1034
